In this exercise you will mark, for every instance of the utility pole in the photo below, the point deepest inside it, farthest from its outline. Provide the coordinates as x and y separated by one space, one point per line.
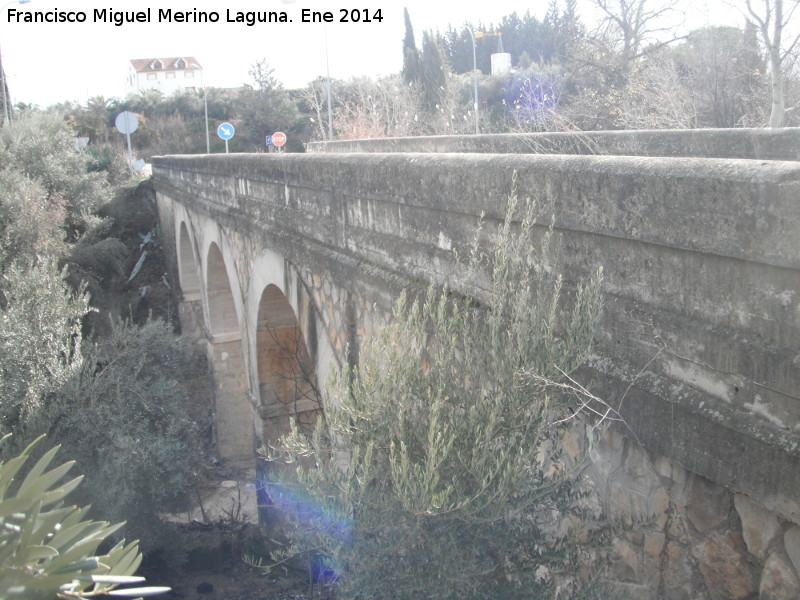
8 111
477 34
4 86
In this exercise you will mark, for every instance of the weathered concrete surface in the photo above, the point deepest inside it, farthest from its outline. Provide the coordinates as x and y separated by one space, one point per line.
701 260
242 297
700 347
761 144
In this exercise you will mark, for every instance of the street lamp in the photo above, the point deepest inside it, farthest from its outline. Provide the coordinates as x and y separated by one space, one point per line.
328 71
475 77
328 77
205 112
3 83
477 34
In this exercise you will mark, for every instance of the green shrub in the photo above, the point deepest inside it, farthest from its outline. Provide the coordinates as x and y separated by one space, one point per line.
107 159
125 420
118 406
31 224
41 147
49 550
434 473
40 336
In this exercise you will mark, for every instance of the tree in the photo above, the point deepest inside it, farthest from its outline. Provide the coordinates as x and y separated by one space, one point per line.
41 148
263 107
629 30
457 46
433 72
567 30
426 69
532 96
96 120
314 99
411 62
714 78
386 107
434 473
723 73
771 23
454 115
543 42
40 335
117 403
631 24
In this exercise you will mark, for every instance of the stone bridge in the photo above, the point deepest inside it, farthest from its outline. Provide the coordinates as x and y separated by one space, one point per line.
286 260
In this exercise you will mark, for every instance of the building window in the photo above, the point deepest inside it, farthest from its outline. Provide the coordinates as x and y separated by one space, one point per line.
180 64
171 75
152 75
157 64
189 74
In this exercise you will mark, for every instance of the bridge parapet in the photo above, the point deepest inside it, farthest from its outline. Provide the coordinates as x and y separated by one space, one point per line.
701 260
759 144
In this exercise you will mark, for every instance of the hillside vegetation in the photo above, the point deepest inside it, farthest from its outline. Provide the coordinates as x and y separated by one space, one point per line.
88 357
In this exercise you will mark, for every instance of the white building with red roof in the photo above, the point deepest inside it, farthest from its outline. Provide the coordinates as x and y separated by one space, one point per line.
167 75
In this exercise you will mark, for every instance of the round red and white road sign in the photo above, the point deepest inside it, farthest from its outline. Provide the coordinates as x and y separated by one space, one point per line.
278 138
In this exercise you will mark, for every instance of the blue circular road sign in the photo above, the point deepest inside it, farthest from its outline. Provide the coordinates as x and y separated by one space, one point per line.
225 131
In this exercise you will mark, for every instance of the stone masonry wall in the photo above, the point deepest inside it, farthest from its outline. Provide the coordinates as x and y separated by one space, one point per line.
683 535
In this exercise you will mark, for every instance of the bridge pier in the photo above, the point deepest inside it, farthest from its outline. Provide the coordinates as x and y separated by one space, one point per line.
232 407
190 315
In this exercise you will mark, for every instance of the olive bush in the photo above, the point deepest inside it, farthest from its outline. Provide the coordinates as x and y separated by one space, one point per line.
40 335
434 473
125 419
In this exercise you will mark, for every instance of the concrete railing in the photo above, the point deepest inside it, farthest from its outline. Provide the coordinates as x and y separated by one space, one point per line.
759 144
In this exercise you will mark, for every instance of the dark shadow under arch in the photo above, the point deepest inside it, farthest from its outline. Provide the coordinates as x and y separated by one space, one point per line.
286 376
189 269
221 308
233 413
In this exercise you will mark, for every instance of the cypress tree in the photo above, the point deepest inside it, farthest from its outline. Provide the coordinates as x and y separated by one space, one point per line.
411 62
432 71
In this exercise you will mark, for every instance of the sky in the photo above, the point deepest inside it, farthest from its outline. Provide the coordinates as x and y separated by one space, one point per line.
47 63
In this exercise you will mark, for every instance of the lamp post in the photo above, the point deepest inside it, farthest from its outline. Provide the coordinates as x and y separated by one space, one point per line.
205 109
327 75
7 113
205 112
475 78
328 72
478 35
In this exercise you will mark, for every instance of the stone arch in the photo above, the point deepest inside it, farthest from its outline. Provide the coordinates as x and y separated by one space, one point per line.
190 305
233 415
222 317
267 268
287 381
188 266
